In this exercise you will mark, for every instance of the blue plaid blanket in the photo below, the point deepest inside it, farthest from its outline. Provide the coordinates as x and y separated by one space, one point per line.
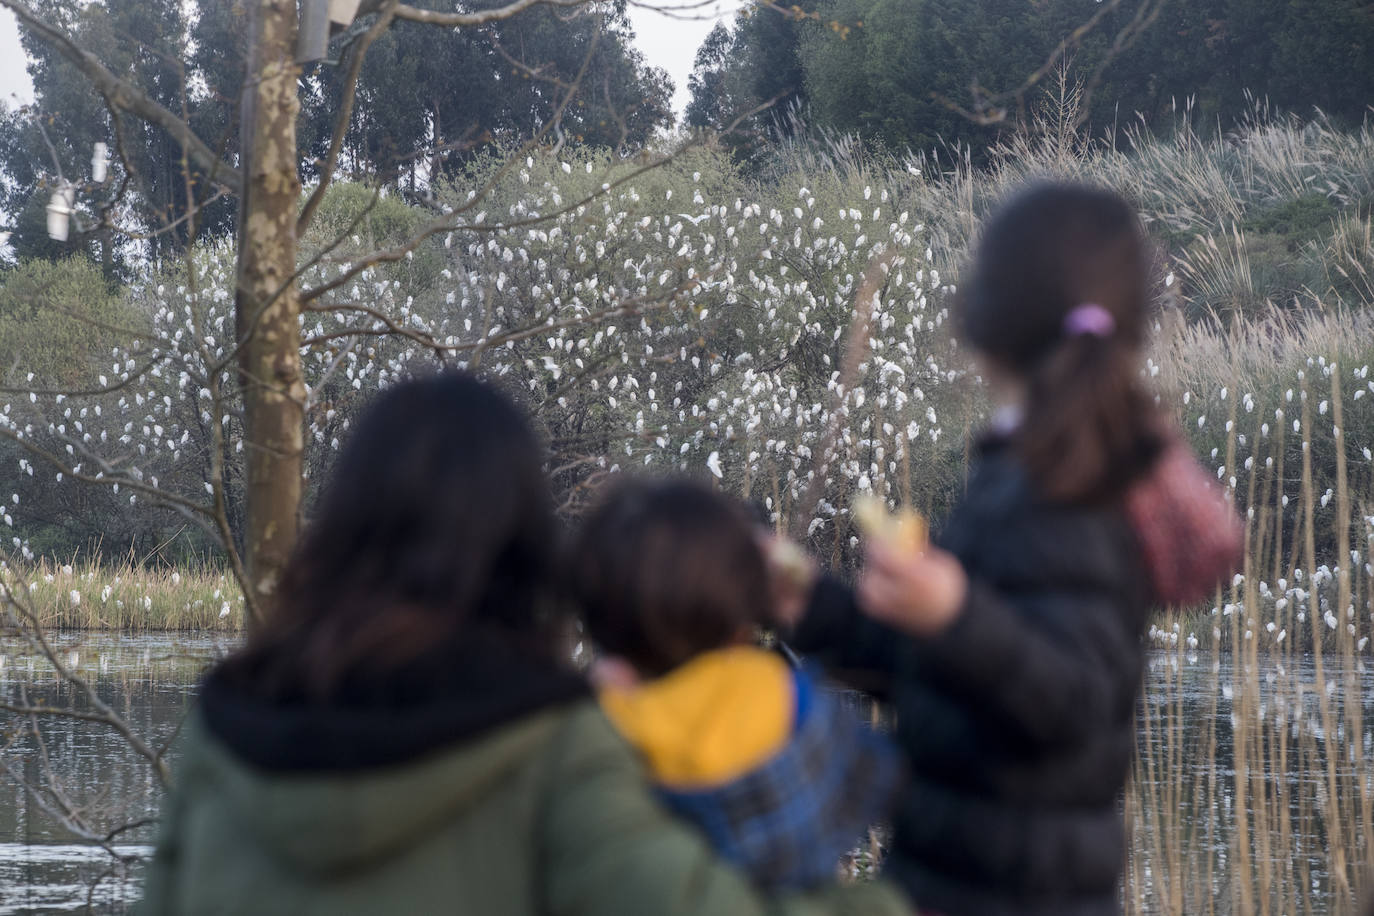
790 821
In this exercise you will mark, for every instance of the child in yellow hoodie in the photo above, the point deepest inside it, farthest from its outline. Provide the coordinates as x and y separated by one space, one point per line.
779 775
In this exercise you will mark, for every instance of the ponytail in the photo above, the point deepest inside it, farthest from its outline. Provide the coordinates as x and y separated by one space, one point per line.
1058 297
1089 430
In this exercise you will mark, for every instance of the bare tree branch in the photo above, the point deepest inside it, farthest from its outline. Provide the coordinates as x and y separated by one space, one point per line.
464 20
194 509
124 95
447 223
991 107
59 712
88 392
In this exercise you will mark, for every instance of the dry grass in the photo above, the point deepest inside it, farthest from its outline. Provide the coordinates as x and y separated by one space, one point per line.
132 597
1275 212
1253 792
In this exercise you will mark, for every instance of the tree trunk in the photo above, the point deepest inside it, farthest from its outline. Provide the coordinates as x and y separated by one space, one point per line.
267 303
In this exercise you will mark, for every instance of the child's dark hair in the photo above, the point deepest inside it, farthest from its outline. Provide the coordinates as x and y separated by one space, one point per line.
1050 256
665 570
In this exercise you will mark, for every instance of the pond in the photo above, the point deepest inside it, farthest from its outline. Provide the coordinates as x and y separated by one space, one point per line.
1254 785
1183 807
149 680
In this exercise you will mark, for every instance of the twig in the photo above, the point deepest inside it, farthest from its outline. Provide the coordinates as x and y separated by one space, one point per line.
341 121
463 20
34 634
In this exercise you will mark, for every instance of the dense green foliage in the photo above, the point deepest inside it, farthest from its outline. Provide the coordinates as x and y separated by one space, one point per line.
59 321
429 92
71 117
913 73
57 318
752 64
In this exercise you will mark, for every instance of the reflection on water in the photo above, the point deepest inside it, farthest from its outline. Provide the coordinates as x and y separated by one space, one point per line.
57 878
1232 807
150 680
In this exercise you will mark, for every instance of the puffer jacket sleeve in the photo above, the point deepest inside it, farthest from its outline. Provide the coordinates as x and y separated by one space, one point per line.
611 849
851 646
1048 636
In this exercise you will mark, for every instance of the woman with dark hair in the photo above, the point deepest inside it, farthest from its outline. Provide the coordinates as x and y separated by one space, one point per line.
403 734
1013 653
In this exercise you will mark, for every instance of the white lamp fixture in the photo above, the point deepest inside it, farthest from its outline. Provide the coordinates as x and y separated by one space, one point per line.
60 209
318 18
343 12
100 163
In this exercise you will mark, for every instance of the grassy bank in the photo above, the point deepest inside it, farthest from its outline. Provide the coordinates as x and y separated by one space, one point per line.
132 597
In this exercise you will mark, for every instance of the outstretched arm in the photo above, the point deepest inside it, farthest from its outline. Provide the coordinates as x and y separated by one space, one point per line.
1047 656
852 646
817 616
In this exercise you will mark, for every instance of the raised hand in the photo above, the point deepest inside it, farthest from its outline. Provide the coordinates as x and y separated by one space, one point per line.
918 593
792 576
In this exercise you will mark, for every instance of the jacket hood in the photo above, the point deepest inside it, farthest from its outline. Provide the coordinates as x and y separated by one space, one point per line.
376 718
710 720
327 823
387 758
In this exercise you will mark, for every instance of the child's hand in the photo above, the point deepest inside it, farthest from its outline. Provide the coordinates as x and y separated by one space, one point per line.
792 577
920 594
611 672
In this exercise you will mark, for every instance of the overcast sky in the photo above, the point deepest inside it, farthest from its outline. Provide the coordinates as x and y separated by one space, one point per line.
14 82
669 42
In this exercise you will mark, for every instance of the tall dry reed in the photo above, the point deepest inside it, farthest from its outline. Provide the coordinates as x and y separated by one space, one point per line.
1253 788
130 596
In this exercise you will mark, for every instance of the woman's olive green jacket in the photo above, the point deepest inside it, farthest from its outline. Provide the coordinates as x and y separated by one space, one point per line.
546 814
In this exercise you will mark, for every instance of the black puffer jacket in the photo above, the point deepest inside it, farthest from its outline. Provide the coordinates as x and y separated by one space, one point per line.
1019 720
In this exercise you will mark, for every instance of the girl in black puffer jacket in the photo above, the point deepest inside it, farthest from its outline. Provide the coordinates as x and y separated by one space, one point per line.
1013 653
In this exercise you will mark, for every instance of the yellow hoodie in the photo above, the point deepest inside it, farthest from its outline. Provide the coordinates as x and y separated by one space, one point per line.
710 720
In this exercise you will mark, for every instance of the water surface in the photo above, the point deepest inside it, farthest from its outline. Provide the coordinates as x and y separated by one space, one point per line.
150 680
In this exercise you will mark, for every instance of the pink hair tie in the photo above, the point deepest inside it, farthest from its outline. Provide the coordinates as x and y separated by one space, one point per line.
1090 319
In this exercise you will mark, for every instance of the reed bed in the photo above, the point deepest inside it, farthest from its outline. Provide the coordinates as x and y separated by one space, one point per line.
1253 787
131 597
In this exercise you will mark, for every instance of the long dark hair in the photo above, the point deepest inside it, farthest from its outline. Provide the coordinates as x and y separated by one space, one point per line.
665 570
436 526
1090 427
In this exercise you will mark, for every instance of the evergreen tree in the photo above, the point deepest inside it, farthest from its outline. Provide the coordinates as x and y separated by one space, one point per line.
915 73
749 65
58 132
713 102
427 97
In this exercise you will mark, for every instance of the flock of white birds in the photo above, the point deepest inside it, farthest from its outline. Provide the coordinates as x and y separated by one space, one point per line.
703 335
